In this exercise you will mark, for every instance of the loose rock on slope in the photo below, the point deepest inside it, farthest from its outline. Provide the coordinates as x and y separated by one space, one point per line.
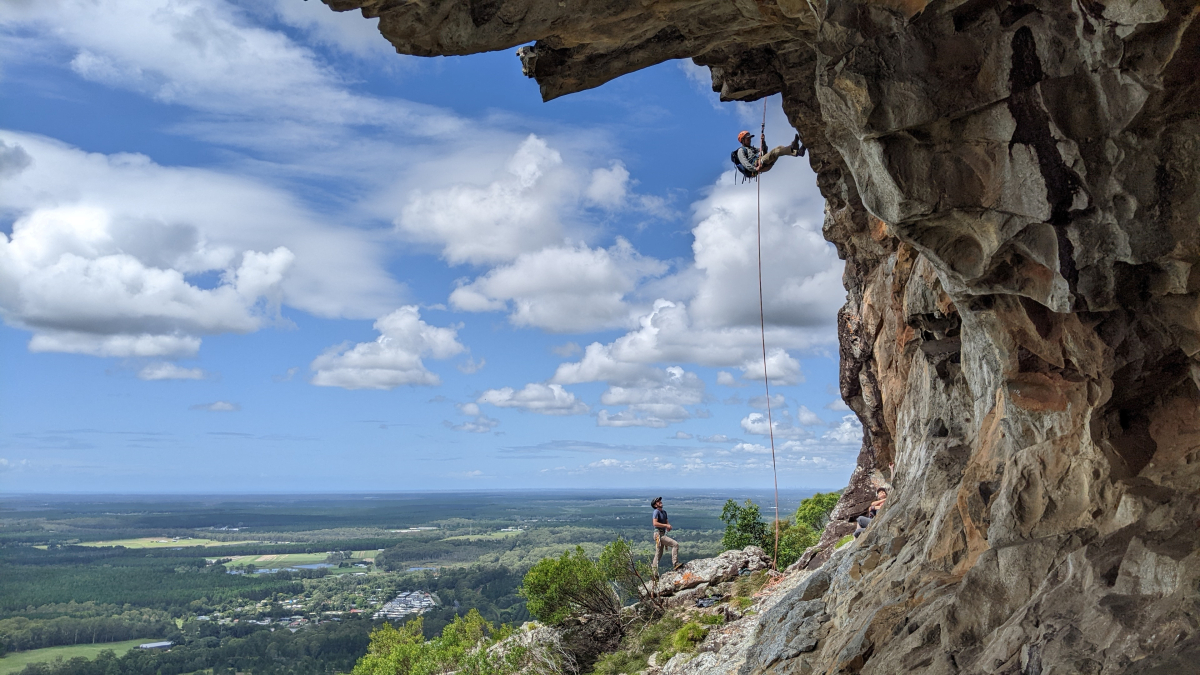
1013 186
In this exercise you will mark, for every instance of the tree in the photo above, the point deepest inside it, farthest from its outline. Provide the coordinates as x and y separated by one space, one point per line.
815 510
811 518
632 578
793 541
556 588
744 526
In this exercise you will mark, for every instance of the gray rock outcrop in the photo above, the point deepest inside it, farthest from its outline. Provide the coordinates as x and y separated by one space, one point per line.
712 571
1014 188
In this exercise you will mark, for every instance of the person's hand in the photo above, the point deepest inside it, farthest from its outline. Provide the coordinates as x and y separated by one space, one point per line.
669 528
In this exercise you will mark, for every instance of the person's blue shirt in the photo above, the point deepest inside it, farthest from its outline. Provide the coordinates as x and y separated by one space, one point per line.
661 516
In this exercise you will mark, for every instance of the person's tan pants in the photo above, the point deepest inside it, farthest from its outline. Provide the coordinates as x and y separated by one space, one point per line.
768 160
660 541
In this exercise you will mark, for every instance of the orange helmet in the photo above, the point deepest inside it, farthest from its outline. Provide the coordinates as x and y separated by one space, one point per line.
744 135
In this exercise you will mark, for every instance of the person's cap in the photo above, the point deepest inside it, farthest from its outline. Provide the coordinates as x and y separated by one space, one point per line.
744 135
655 501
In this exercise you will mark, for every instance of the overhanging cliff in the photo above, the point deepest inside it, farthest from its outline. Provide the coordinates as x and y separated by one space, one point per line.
1015 188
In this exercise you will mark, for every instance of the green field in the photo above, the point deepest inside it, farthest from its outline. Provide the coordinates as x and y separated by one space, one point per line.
277 560
483 537
292 559
162 542
16 661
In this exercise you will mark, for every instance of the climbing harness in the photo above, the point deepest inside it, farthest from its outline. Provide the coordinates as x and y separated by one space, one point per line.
762 324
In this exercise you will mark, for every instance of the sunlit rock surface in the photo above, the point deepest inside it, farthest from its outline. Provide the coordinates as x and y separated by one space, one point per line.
1014 188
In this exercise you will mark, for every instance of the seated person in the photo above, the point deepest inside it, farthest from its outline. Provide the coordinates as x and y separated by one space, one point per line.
752 161
864 521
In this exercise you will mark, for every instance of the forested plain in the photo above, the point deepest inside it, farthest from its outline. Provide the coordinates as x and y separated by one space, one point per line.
63 586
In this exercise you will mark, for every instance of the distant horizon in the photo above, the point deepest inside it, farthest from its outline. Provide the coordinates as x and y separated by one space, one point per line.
664 491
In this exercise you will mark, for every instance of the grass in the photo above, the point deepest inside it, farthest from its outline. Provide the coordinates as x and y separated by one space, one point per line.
844 540
482 537
638 645
16 661
749 584
162 542
278 560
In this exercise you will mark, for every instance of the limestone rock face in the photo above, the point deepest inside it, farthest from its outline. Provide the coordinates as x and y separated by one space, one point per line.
1015 189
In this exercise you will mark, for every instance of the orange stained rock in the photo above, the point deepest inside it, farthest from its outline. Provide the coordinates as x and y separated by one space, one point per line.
879 229
974 512
1041 392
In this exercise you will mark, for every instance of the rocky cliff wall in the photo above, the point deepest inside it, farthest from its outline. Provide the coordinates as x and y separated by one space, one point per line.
1015 188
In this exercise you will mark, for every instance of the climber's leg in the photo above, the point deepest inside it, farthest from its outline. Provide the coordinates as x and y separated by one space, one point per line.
667 541
863 522
793 150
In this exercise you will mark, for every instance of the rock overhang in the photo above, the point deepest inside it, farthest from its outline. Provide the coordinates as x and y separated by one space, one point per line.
1015 187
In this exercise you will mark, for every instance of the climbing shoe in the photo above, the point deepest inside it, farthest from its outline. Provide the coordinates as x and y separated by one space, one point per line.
677 566
795 147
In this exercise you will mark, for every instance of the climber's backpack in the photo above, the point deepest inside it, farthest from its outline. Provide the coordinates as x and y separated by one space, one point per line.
747 174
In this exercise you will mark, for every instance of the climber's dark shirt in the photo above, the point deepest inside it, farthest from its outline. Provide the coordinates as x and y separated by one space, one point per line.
661 516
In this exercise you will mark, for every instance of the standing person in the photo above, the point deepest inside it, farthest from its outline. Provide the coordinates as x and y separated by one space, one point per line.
661 528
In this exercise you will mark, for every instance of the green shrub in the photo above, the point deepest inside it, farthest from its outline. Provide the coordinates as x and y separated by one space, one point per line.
793 541
814 511
556 588
687 637
656 637
462 648
712 619
620 663
632 578
810 519
744 526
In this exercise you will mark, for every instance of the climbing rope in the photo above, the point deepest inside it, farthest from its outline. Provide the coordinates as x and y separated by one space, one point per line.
762 324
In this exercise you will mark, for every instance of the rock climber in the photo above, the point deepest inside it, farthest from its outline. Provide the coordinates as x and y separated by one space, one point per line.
661 540
864 521
751 161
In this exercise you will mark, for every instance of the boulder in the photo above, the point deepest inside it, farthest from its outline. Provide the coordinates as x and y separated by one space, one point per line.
712 571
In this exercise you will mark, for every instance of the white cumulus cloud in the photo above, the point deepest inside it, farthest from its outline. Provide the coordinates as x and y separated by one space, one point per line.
518 212
807 418
545 399
655 401
756 423
562 288
781 368
169 371
86 280
393 359
115 255
848 431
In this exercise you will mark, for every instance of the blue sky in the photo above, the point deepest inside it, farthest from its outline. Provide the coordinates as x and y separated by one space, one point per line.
246 247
